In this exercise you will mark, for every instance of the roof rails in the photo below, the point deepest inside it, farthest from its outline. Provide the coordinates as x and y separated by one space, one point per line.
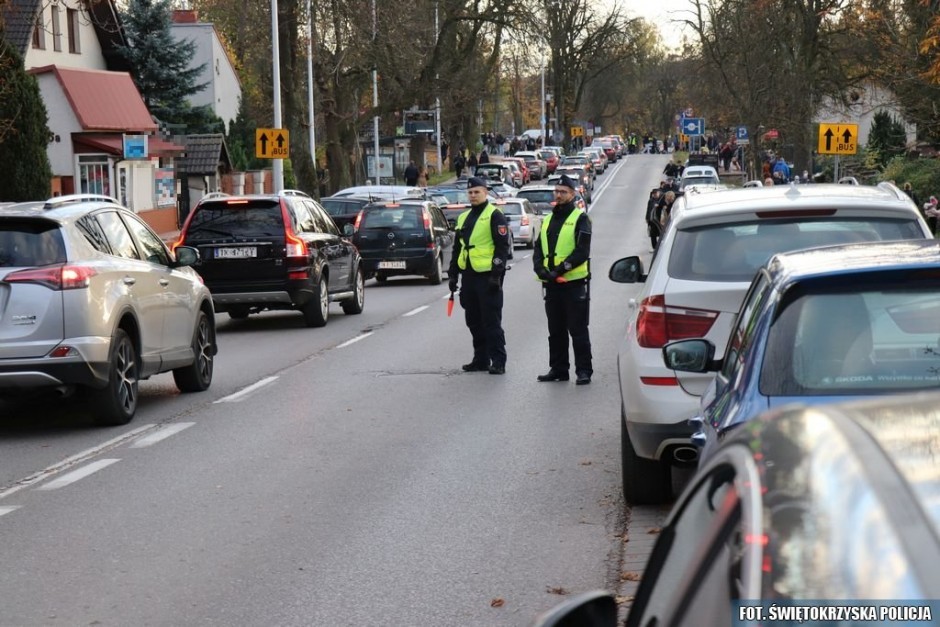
212 195
893 189
294 192
58 201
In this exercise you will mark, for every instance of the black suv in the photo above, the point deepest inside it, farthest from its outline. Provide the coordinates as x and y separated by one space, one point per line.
344 210
274 251
404 237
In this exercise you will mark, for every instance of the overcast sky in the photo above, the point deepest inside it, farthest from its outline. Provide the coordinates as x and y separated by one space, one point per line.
660 13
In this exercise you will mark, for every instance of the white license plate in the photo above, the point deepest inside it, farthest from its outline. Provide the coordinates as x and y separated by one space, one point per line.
240 252
392 265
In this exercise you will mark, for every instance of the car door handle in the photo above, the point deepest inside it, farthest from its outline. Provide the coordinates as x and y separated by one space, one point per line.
129 280
164 282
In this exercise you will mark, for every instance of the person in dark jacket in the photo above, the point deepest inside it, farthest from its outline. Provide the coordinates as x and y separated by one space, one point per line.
411 174
653 227
481 248
484 157
472 164
561 262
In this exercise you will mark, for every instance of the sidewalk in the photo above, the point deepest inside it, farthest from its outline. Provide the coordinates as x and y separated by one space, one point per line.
642 531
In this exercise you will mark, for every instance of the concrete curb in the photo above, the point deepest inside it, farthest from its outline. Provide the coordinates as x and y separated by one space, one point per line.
642 532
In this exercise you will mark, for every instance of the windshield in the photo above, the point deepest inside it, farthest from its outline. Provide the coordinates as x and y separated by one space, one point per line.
863 339
734 252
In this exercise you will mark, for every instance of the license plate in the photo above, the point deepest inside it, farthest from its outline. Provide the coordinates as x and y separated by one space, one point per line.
391 265
240 252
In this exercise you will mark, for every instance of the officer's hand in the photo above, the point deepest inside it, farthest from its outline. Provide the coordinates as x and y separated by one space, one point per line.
496 282
552 276
452 284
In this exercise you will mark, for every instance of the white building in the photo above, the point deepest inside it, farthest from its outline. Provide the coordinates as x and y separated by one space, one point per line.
864 103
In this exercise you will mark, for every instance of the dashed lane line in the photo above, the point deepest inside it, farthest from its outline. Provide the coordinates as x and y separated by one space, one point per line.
241 394
161 434
8 509
359 337
75 475
414 311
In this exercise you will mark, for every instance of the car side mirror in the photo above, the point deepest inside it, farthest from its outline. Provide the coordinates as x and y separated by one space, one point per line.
186 256
349 229
589 609
690 356
627 270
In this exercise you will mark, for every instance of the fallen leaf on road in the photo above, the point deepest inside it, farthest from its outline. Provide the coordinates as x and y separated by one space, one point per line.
497 602
556 590
654 530
630 576
625 538
586 462
622 599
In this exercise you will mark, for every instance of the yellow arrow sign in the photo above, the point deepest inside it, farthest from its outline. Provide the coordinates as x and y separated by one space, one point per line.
838 139
272 143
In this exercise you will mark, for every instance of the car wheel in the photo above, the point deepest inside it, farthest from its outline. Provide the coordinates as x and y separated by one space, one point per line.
530 244
197 376
116 404
512 244
317 310
437 275
355 304
380 278
238 313
645 481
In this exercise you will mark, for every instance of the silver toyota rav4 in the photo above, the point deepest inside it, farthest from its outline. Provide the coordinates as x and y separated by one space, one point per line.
91 299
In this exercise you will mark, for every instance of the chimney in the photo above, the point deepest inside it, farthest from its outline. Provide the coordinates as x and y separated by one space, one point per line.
185 16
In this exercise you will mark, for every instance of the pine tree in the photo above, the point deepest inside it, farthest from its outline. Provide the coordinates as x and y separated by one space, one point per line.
24 133
160 63
886 137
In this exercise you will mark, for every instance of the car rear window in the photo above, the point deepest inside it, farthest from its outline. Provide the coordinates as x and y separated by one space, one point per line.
250 218
336 207
454 195
30 243
537 195
401 217
510 208
870 340
734 252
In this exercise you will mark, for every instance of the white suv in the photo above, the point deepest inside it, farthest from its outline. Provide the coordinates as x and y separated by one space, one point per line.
711 249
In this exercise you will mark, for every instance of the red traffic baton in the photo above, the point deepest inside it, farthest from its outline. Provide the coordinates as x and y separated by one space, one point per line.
450 305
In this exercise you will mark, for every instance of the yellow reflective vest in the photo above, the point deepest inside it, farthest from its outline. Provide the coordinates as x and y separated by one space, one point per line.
563 247
479 249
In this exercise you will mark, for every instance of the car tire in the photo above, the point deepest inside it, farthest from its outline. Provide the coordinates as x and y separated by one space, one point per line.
355 304
530 244
437 275
512 245
645 481
317 310
197 377
116 403
238 313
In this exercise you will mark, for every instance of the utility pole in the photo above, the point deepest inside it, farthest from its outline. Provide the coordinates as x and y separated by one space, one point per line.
375 100
437 98
313 135
542 109
277 167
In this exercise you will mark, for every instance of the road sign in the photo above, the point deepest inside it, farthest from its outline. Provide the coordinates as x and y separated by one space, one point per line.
272 143
837 139
135 146
741 133
692 126
577 131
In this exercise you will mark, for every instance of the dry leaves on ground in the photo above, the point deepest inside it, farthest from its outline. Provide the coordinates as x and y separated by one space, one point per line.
630 576
497 602
586 462
653 530
622 599
556 590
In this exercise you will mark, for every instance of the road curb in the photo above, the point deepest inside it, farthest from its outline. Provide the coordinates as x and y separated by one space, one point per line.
640 534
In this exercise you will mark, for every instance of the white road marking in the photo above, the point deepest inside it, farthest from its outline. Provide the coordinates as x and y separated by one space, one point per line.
58 467
237 396
596 196
75 475
355 339
447 295
8 509
416 310
161 434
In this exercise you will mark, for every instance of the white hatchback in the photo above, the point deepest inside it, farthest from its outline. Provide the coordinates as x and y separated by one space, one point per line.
711 249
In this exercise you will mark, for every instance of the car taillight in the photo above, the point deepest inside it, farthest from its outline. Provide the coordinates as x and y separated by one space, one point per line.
427 220
358 222
525 220
656 323
57 277
296 247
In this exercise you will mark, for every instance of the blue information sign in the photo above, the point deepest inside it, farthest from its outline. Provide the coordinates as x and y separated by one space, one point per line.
135 146
692 126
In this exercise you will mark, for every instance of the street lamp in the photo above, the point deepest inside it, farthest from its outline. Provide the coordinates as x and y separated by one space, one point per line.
542 109
277 167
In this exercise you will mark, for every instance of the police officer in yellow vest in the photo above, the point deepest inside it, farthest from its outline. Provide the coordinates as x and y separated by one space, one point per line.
481 249
561 256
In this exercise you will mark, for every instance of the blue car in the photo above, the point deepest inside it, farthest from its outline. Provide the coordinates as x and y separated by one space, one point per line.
822 325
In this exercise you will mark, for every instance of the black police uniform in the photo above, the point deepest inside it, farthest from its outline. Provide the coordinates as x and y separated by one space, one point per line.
481 295
567 305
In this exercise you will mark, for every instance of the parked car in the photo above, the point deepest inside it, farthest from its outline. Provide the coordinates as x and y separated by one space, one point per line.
597 157
551 158
583 193
275 251
577 174
710 250
538 167
92 300
499 172
609 148
803 506
541 197
819 326
581 161
523 176
343 210
525 221
404 238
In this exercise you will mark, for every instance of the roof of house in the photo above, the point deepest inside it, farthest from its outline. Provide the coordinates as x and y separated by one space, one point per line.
17 18
205 154
103 101
113 144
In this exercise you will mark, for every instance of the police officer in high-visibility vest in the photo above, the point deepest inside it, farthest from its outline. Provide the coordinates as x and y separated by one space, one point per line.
481 249
561 259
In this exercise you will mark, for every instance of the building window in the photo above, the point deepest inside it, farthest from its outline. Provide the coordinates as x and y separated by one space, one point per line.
56 29
74 44
94 174
39 34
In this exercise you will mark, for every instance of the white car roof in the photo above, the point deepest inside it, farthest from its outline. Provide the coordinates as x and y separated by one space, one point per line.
699 170
379 190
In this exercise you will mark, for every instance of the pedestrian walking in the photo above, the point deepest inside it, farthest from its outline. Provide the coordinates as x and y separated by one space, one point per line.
561 261
653 227
411 174
481 248
472 164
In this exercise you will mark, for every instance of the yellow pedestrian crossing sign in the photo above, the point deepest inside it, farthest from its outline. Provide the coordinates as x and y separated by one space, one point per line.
272 143
837 139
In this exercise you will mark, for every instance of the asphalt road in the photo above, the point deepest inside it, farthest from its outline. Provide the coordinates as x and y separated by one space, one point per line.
348 475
